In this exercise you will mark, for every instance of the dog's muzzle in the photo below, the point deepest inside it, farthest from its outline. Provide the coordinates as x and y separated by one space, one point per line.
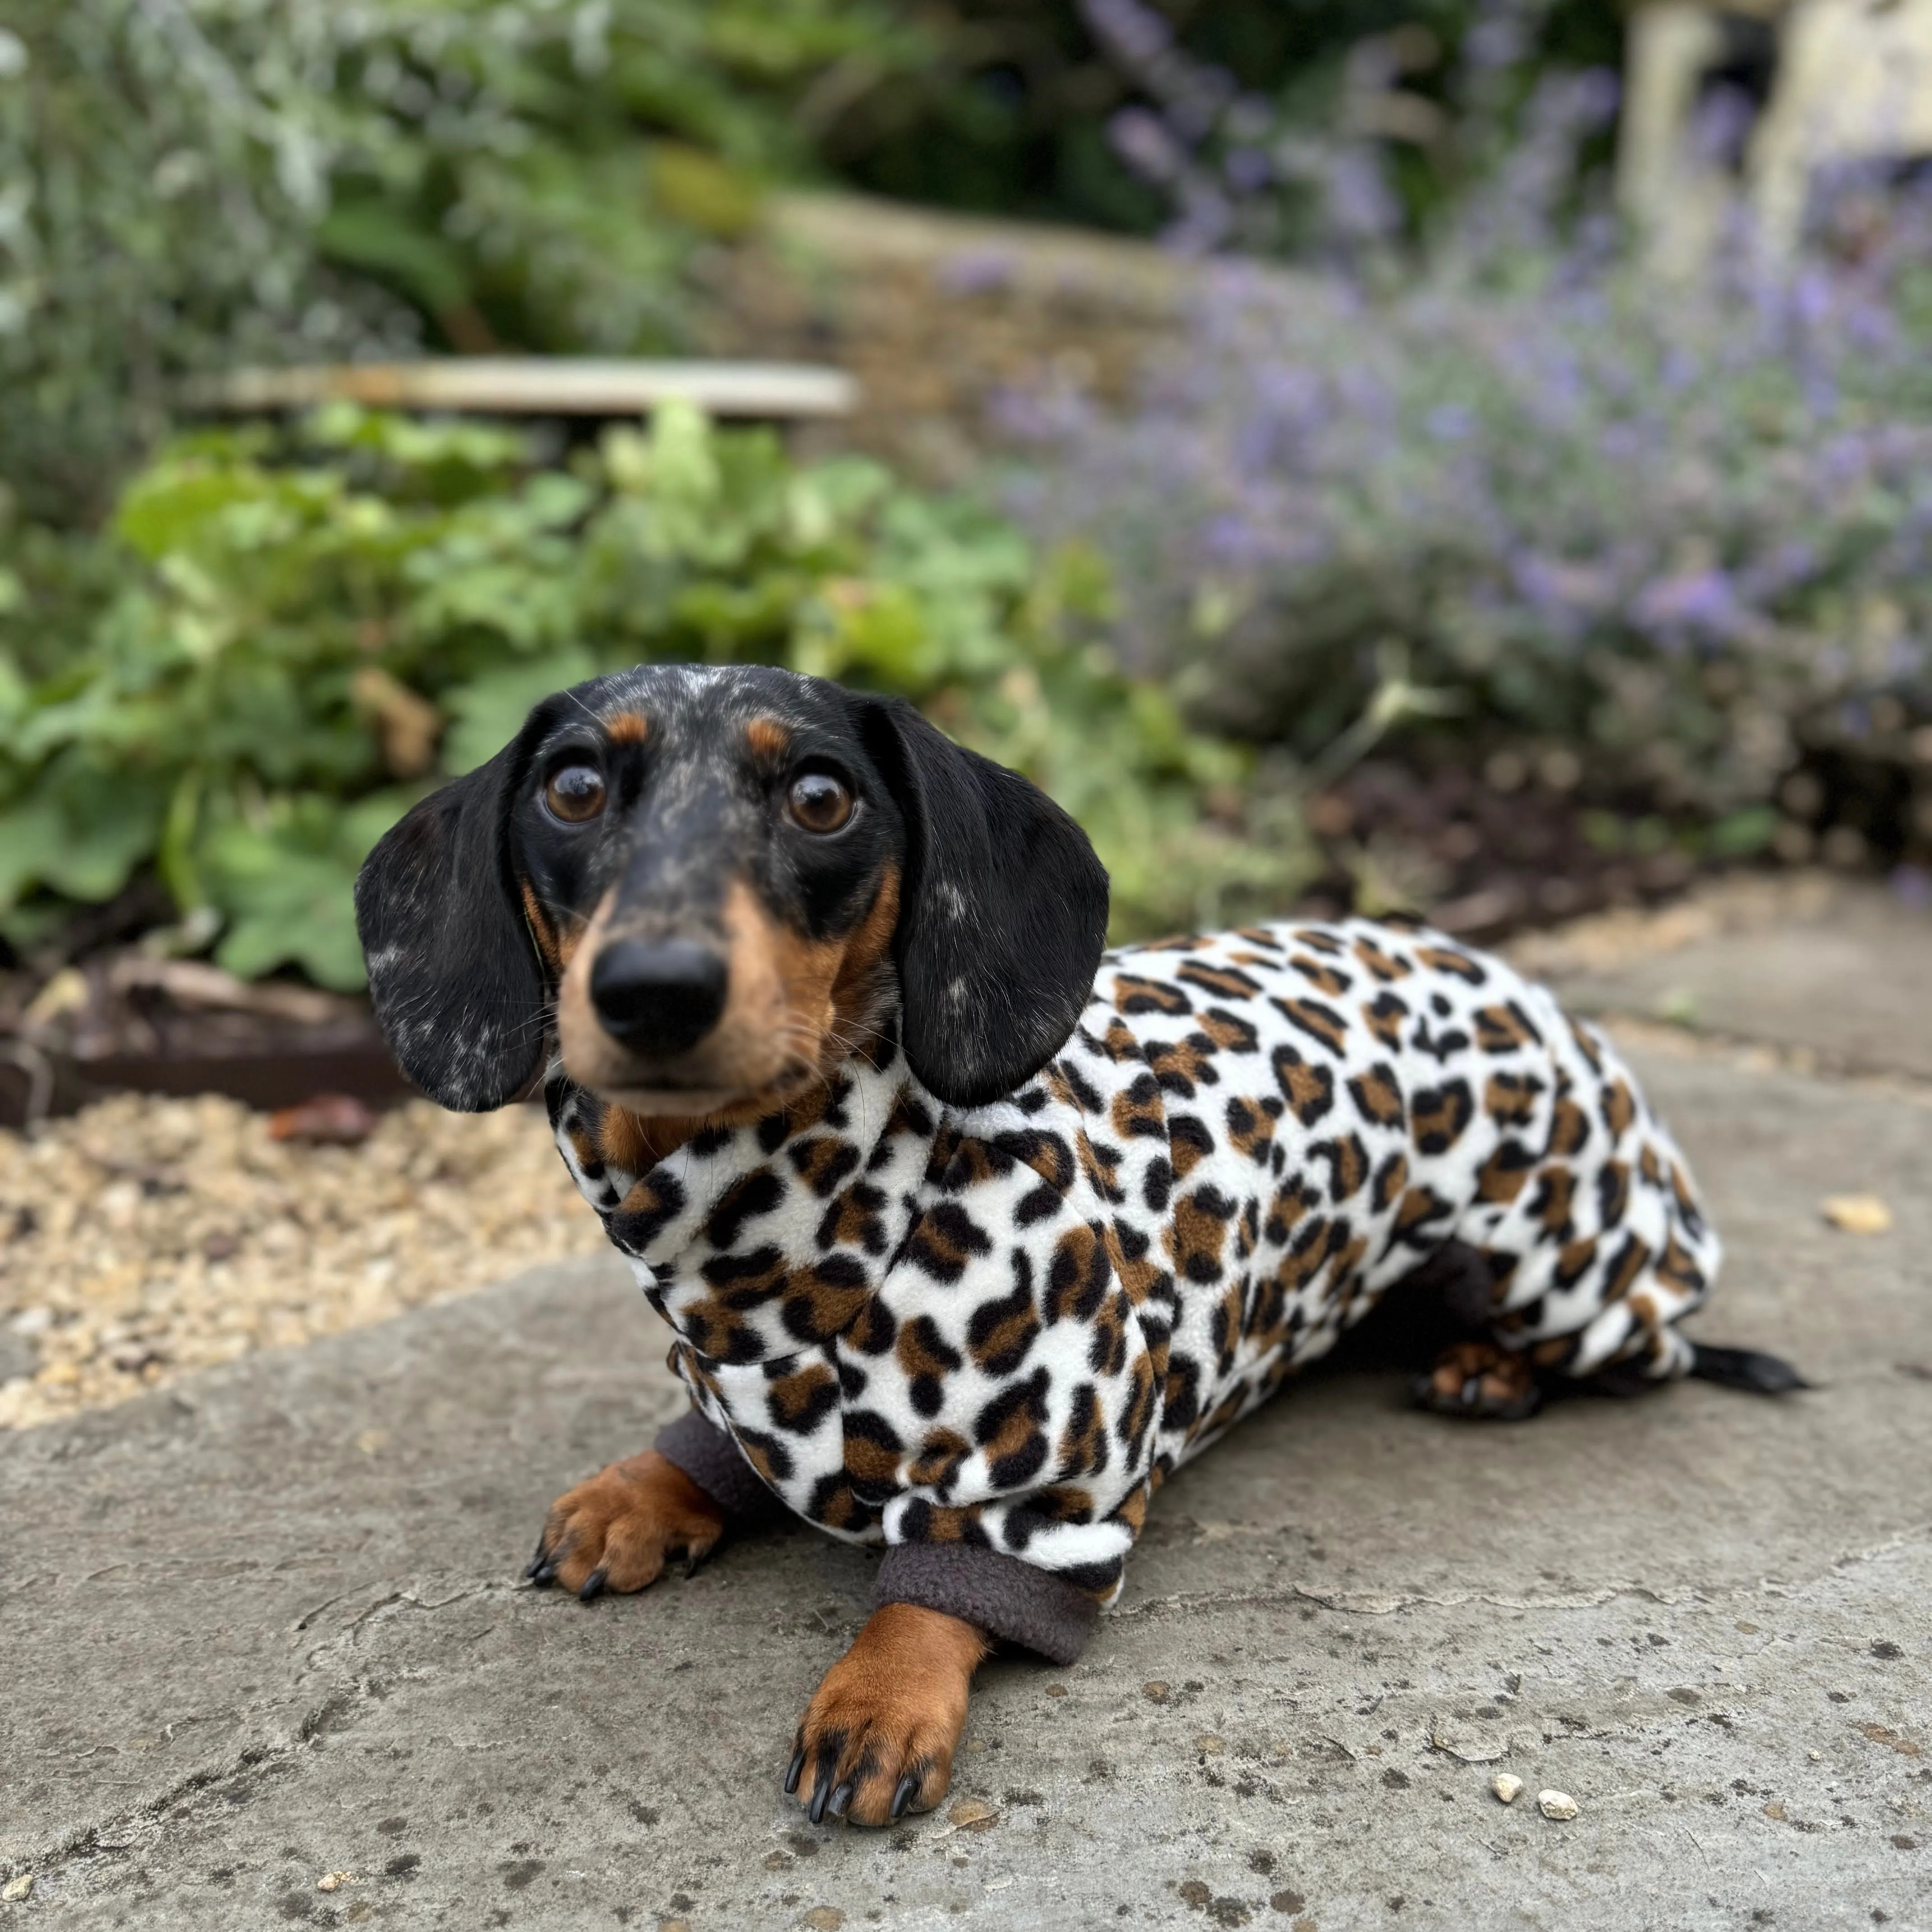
658 998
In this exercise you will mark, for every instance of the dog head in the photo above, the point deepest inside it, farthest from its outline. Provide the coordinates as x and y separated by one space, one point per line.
715 878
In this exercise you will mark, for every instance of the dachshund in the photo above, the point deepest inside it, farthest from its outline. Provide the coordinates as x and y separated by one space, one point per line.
968 1232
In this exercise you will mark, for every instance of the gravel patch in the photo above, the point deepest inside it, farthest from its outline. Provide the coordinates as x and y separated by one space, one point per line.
147 1237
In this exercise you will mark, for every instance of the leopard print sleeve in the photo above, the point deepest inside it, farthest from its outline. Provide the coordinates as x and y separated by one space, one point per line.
1007 1398
911 1324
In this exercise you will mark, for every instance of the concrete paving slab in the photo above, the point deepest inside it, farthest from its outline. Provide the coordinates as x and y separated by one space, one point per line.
263 1628
1845 972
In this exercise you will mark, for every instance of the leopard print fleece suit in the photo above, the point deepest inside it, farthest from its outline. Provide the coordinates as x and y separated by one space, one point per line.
983 1337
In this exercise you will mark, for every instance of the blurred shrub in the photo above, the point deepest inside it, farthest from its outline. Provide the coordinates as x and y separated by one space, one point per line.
1358 155
1153 115
1672 525
303 637
188 184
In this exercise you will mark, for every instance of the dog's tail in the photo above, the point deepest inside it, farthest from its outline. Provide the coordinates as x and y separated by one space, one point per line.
1746 1368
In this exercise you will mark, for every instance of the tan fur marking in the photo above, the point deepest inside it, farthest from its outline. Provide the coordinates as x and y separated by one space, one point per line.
624 1520
795 1008
894 1705
541 930
768 738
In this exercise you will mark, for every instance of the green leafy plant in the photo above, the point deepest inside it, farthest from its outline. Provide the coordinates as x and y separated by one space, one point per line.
187 184
311 630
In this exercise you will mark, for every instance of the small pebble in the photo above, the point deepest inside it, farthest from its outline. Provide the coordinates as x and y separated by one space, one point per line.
330 1881
17 1889
1507 1786
1556 1804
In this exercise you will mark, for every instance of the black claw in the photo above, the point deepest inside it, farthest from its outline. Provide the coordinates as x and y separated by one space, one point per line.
908 1790
536 1562
821 1789
545 1575
841 1799
593 1584
796 1767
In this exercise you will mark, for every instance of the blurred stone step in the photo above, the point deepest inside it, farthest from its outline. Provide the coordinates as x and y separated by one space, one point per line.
943 317
1839 969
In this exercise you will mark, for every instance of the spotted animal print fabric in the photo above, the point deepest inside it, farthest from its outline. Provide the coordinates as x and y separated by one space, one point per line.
999 1328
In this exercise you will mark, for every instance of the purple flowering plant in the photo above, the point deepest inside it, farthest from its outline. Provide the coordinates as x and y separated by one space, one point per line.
1518 479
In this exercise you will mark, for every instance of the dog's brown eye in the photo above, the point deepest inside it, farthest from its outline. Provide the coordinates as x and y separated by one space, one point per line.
575 793
819 802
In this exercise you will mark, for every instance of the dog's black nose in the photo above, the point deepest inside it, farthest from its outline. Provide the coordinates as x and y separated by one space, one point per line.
658 999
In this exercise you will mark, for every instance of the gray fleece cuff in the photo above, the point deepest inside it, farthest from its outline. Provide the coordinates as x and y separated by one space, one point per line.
711 1460
1026 1606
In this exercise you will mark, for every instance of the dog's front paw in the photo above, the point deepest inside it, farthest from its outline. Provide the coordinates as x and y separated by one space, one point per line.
878 1738
614 1532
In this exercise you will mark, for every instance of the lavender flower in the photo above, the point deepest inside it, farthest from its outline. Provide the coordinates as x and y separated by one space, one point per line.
1677 525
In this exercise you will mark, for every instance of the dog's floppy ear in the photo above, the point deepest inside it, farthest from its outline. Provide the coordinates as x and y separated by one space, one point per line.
453 972
1003 912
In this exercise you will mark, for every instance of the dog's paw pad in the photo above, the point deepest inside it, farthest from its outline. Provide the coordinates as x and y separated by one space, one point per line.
1481 1381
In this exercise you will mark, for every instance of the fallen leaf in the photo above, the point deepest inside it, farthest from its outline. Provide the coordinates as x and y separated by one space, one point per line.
972 1814
325 1120
1858 1214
